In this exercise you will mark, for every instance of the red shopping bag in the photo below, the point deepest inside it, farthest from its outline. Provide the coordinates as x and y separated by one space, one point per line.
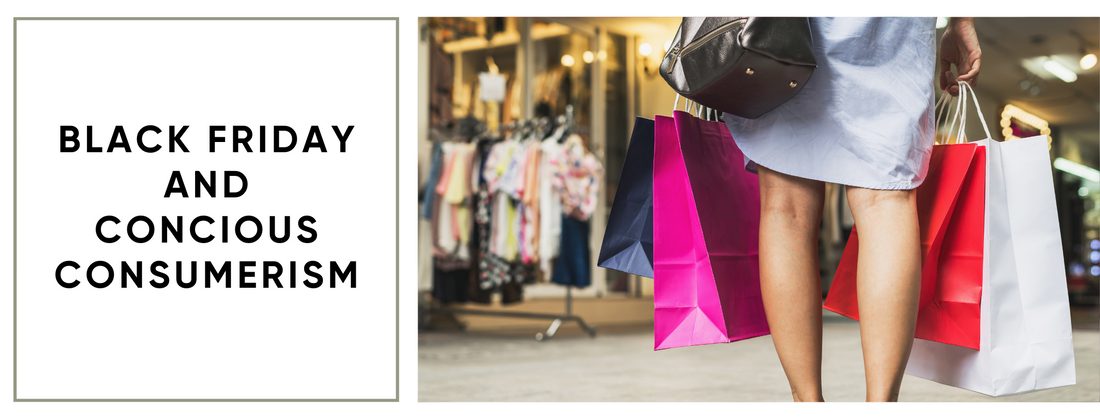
951 213
706 216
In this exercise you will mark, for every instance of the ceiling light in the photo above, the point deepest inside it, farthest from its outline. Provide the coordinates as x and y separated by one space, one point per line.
941 22
645 49
568 60
1060 71
1077 169
1088 61
588 56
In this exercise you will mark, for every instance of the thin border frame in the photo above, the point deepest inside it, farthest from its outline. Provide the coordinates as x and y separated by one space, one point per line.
14 77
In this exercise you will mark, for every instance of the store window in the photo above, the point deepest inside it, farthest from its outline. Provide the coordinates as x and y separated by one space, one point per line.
562 69
618 114
480 46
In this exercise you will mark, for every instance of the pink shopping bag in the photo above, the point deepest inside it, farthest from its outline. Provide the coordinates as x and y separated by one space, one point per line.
706 217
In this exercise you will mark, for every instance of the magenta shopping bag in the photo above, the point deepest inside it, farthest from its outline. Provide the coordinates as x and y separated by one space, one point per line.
706 217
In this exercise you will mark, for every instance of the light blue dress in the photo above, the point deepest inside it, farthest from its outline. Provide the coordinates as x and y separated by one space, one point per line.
865 117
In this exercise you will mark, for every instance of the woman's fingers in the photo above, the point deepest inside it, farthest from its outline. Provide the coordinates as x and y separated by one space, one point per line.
971 76
948 84
967 73
946 78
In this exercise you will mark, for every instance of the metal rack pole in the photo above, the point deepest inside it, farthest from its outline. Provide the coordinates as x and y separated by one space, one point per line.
550 331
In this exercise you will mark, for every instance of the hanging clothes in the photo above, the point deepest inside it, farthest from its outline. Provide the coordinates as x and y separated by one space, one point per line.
480 230
513 175
451 286
444 238
451 218
511 248
454 215
458 196
530 200
573 263
510 211
577 178
433 178
550 205
506 175
494 165
443 259
494 270
498 233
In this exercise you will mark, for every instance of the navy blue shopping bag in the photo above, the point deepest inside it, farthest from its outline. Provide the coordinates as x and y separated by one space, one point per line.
628 240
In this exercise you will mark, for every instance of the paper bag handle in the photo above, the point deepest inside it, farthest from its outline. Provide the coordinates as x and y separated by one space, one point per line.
965 91
694 108
942 108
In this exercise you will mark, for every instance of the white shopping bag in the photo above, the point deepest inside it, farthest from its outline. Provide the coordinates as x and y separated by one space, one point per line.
1026 342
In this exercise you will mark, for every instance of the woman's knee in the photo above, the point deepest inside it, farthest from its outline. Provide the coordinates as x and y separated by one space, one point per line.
862 199
793 199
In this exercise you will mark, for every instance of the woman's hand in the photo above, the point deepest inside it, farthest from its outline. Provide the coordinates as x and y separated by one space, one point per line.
959 46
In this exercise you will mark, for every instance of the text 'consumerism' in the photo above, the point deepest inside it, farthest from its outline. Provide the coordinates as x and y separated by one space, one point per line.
112 229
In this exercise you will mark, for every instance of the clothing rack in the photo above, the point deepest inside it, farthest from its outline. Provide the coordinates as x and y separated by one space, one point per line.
543 123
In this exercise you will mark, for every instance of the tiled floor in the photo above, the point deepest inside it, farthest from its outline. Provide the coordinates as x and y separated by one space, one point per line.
620 365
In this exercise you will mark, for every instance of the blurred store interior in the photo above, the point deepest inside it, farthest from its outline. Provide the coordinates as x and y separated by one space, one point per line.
592 76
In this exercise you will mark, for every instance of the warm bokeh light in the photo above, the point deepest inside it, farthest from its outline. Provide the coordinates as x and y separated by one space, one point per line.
1088 61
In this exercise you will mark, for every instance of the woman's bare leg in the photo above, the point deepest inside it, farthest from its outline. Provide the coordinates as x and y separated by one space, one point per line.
887 284
790 278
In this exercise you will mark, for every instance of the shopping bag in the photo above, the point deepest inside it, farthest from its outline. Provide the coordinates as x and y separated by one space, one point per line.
706 216
1026 342
1026 338
628 240
950 211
